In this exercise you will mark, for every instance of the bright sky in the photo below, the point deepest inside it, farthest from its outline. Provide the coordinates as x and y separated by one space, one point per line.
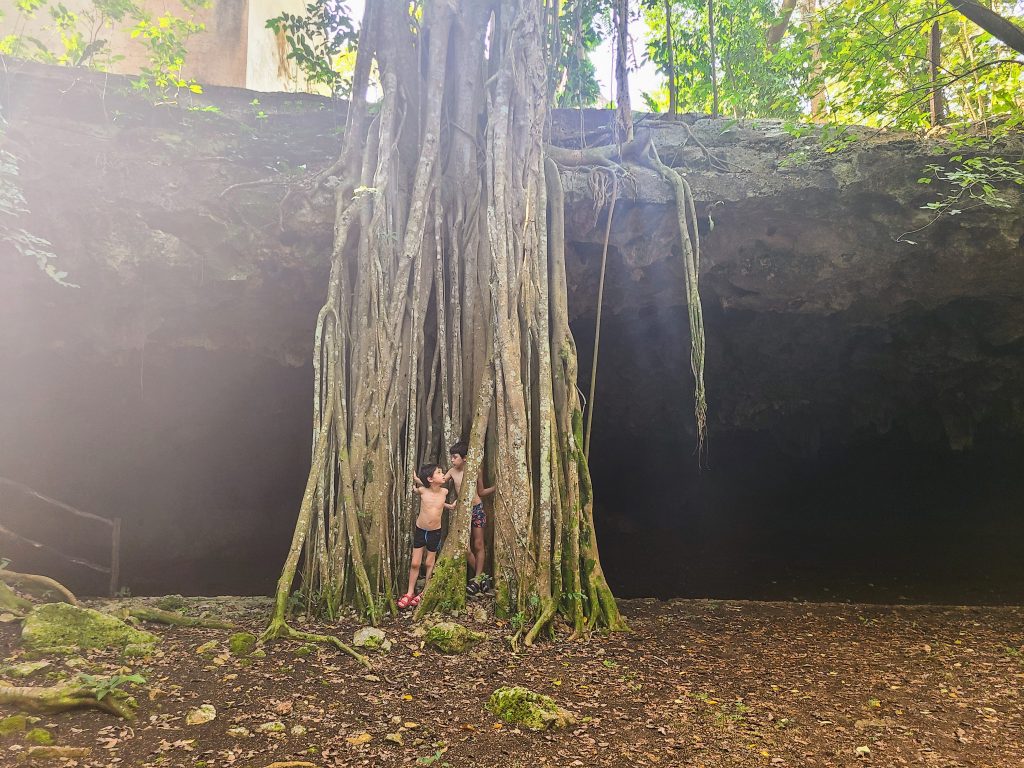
644 79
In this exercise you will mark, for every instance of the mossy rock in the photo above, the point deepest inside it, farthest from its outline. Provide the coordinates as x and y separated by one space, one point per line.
449 637
14 724
58 627
39 736
371 639
242 643
523 707
24 669
171 603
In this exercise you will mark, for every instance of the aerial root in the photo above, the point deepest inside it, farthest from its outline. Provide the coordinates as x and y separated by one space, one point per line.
279 629
11 577
157 616
60 698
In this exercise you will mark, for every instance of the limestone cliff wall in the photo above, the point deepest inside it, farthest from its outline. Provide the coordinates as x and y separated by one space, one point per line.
172 387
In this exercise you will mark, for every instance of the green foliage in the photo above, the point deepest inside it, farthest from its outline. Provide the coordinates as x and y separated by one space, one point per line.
874 64
166 38
321 42
84 39
969 182
752 81
583 23
106 686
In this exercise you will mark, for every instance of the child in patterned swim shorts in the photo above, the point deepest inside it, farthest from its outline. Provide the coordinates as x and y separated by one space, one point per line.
475 556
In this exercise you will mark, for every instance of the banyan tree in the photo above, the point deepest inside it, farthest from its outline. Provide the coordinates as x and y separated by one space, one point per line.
446 318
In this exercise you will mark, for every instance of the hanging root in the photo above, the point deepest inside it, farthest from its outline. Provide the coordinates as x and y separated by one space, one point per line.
60 698
279 629
45 582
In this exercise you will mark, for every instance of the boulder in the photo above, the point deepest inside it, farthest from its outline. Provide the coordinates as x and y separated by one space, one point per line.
63 628
372 639
523 707
449 637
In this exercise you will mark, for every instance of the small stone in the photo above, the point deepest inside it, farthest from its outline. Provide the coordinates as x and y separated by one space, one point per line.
259 653
359 738
371 678
274 726
201 714
242 643
372 639
863 751
239 732
298 730
395 738
209 647
480 614
39 736
26 668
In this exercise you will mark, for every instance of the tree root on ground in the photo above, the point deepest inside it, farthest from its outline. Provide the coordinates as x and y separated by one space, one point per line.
10 601
280 629
57 753
60 698
158 616
43 581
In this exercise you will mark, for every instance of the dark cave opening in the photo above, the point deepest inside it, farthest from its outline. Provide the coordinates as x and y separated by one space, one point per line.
805 500
850 458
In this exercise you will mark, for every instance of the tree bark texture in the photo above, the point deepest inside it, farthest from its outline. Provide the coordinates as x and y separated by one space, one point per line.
446 318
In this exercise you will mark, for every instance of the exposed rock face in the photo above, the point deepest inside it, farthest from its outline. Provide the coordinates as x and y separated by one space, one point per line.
172 388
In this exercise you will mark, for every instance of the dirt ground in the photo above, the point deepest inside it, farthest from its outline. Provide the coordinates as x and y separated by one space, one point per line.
696 683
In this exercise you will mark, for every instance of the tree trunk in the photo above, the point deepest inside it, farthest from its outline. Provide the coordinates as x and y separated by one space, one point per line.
935 101
673 103
446 313
623 109
1000 28
714 58
778 30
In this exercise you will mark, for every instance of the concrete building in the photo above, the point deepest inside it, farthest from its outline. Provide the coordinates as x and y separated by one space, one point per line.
235 49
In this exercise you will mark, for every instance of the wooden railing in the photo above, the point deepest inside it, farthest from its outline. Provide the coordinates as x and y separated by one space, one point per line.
114 569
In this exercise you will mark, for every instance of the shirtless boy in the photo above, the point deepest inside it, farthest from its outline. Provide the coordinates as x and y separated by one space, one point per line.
427 533
475 555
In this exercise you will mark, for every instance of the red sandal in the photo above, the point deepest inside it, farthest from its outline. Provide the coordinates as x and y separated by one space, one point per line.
416 600
406 600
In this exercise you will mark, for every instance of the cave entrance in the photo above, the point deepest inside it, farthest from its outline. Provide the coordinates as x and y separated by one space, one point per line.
806 493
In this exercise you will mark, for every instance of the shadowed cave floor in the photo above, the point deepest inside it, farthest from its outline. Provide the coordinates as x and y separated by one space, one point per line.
697 683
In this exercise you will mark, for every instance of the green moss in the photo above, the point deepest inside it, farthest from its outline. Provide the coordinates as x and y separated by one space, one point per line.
447 589
242 643
523 707
502 600
59 627
171 603
13 724
449 637
39 736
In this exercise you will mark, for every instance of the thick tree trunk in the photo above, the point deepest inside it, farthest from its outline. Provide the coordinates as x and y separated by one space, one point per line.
446 317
